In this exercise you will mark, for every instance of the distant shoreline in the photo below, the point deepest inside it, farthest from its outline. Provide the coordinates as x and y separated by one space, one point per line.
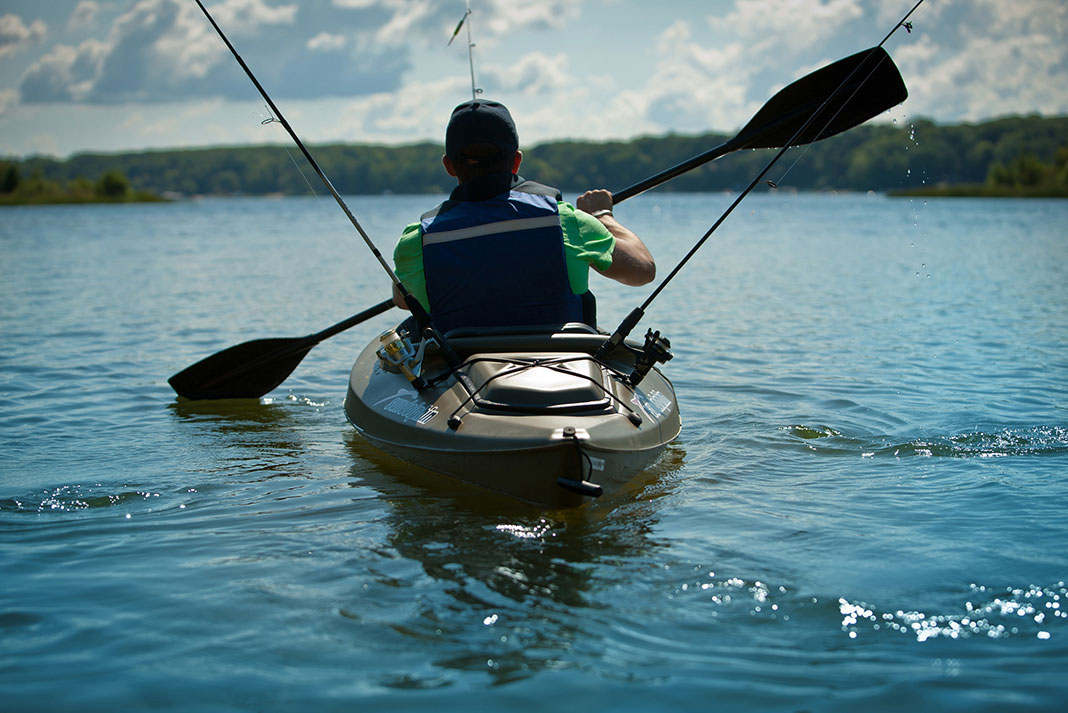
968 190
8 200
112 186
920 156
956 191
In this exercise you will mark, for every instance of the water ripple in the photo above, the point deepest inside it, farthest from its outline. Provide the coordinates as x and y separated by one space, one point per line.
1006 442
71 498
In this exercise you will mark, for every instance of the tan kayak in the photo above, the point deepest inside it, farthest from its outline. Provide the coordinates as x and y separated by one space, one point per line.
531 415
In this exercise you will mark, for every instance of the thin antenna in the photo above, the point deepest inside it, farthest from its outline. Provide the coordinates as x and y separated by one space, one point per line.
475 91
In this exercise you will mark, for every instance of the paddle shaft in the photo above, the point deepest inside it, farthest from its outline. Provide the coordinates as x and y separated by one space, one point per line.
383 306
677 170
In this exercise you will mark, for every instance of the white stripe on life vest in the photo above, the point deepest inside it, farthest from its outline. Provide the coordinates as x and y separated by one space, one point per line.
504 226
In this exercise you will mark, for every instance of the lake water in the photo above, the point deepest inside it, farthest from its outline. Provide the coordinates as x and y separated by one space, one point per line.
866 509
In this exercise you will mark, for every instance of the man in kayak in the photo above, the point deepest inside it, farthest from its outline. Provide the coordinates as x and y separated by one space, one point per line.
502 251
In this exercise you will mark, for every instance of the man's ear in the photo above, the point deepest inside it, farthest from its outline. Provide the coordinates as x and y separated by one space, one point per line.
518 159
449 168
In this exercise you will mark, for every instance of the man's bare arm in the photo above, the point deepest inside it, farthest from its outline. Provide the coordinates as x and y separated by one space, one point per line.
632 263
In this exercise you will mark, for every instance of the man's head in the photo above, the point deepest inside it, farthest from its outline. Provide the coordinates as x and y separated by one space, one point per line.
480 139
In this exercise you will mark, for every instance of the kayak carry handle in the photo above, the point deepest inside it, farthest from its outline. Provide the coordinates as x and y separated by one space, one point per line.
582 487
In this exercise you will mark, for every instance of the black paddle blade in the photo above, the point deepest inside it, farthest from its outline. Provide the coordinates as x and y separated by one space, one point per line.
245 371
251 369
870 84
826 102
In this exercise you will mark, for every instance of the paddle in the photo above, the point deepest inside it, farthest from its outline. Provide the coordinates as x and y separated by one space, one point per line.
251 369
858 88
826 102
821 104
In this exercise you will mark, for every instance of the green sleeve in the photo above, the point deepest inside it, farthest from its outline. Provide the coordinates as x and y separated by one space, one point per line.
408 259
586 242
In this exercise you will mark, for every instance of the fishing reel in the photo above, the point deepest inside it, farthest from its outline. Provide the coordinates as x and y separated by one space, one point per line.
656 350
397 355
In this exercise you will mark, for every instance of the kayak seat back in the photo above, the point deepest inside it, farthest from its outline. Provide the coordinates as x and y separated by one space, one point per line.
557 328
573 337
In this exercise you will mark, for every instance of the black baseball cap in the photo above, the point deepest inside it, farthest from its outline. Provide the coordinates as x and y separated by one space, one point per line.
481 122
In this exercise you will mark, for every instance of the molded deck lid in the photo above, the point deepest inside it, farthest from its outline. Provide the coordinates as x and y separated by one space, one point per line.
514 380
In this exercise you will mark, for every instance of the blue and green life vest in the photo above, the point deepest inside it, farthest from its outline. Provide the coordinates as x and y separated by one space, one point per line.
498 262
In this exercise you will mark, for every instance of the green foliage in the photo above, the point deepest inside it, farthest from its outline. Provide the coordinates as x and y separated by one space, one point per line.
920 156
35 189
112 186
9 176
1023 158
1026 175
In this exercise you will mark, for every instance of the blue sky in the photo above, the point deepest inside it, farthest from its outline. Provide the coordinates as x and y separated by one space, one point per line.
116 75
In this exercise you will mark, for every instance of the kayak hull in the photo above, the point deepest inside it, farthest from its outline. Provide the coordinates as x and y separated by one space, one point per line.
547 424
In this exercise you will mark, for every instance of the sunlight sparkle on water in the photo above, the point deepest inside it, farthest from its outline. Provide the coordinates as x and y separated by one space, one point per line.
68 498
525 532
1012 612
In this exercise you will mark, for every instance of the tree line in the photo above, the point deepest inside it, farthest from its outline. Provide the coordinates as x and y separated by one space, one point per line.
999 156
111 186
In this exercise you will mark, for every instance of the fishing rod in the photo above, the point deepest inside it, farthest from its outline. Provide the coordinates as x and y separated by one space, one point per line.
655 347
421 315
475 91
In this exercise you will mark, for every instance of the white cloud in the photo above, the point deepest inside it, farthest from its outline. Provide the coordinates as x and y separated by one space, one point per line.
185 45
168 121
419 111
969 72
507 16
163 50
771 25
8 99
407 18
326 42
147 48
994 77
188 48
680 53
534 73
16 35
693 88
492 19
247 16
64 74
84 15
1030 16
